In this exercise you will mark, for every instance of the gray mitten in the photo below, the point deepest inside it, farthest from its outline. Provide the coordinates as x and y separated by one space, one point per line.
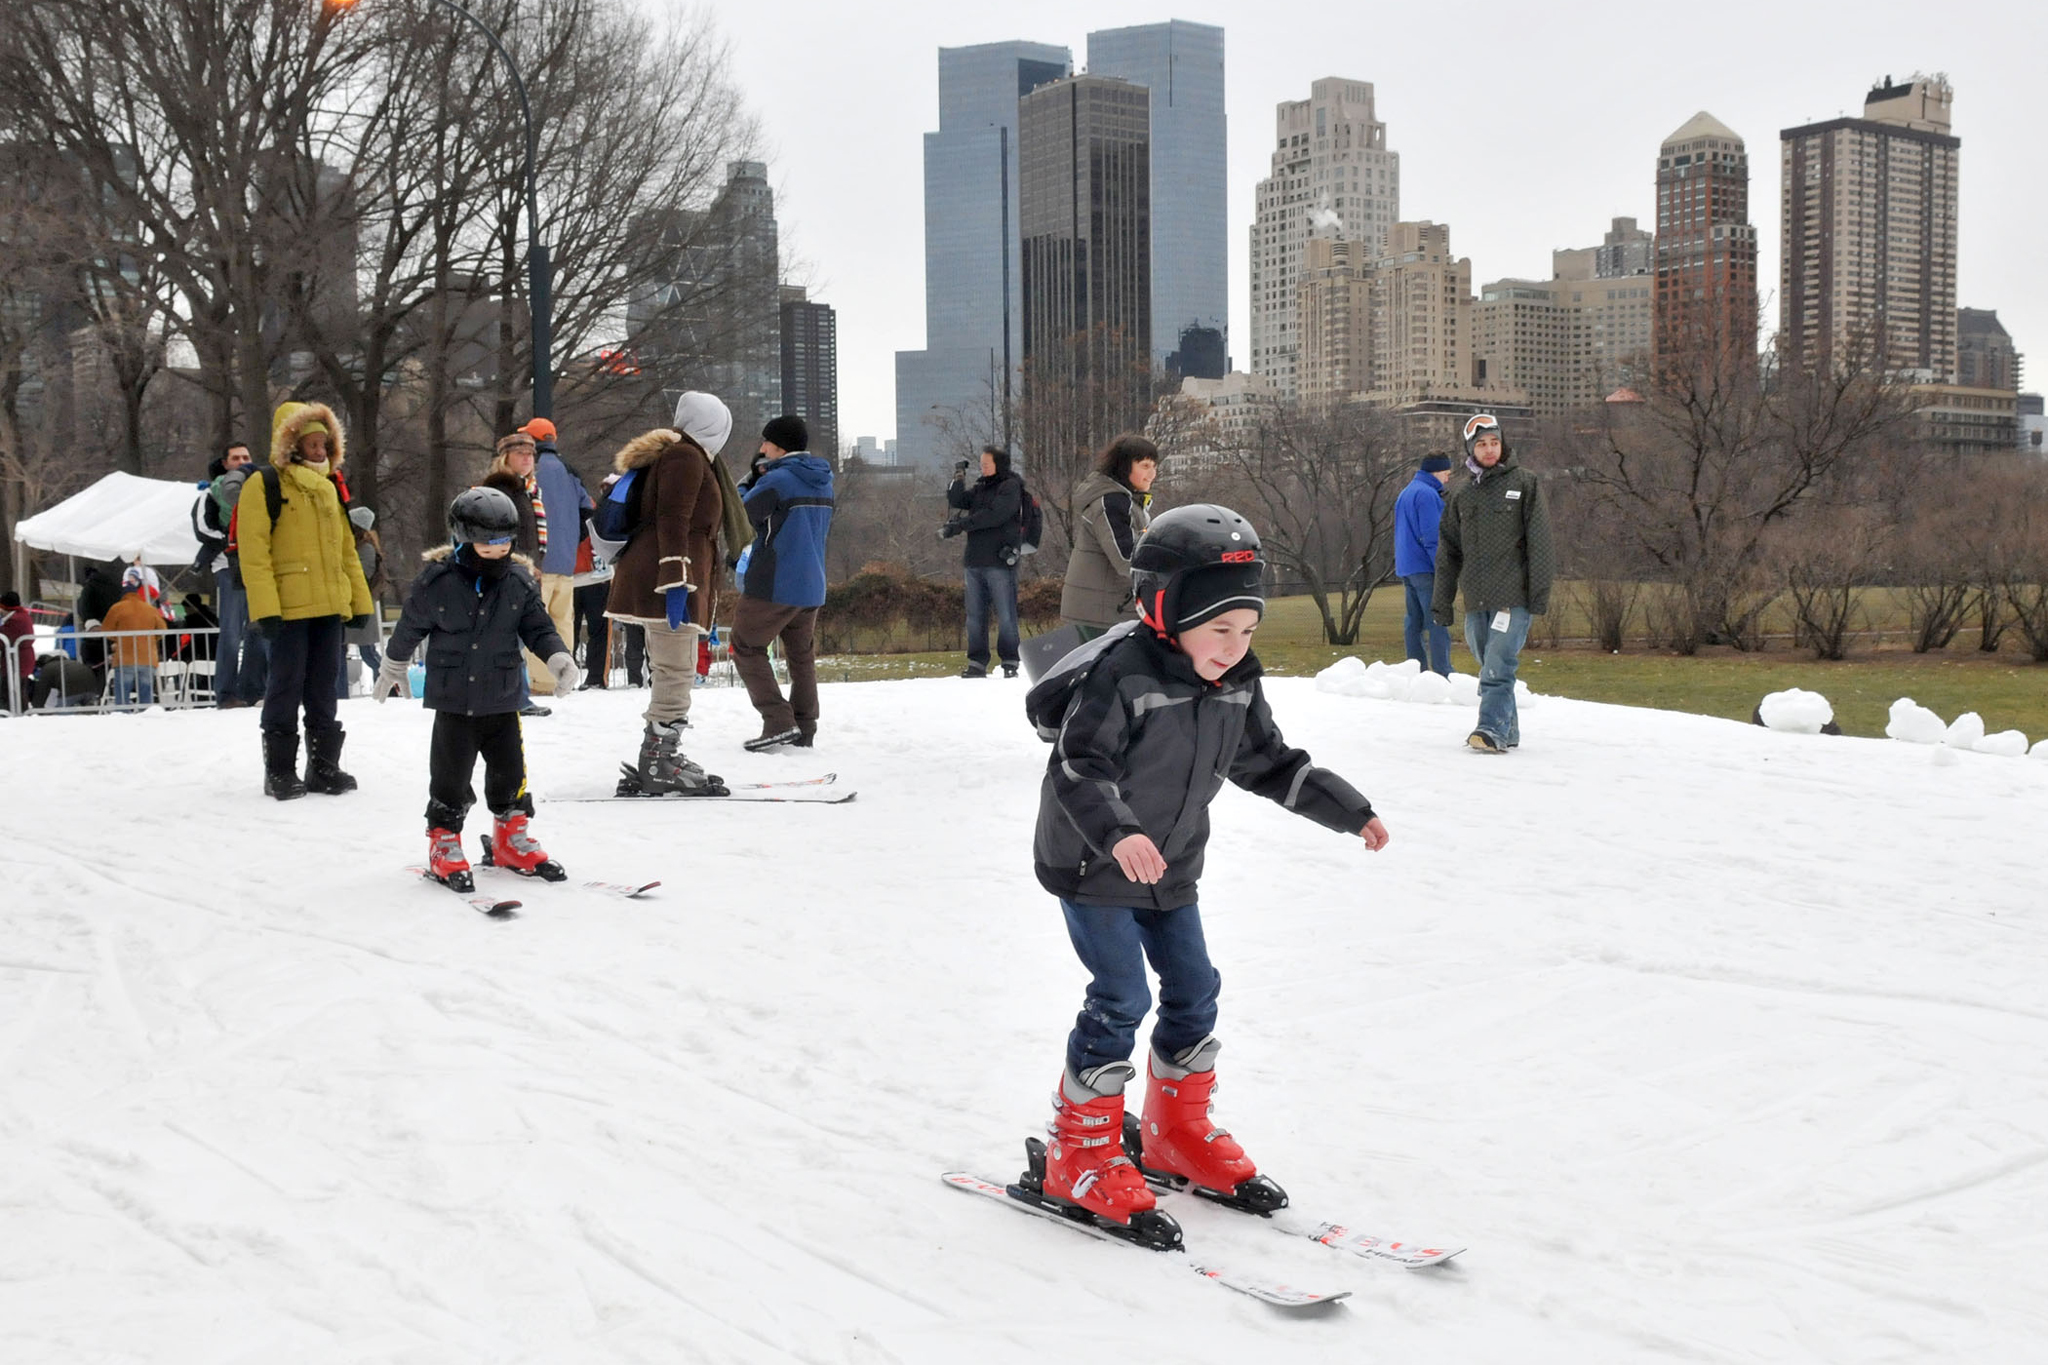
564 669
391 679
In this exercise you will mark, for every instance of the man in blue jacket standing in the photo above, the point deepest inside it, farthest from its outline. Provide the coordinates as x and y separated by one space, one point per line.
1416 514
565 500
790 506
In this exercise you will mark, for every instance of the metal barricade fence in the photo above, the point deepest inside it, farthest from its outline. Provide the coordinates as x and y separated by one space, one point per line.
171 667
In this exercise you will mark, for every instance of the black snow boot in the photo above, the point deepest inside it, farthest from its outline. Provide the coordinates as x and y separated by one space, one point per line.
323 763
281 765
663 771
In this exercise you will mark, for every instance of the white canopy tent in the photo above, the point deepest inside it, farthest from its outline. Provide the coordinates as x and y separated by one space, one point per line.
123 516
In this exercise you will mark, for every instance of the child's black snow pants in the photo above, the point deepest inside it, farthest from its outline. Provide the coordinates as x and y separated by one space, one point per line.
458 740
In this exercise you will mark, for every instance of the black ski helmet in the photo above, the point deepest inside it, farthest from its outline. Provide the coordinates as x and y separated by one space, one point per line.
1202 535
482 514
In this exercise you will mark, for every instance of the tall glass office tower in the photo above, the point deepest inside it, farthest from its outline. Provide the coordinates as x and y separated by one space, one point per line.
1182 65
972 274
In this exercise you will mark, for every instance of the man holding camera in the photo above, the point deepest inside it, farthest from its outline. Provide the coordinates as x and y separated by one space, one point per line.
990 513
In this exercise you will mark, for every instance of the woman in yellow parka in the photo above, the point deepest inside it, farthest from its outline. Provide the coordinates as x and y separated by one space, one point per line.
305 586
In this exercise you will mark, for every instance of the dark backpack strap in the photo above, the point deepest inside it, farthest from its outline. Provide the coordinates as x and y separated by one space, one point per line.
273 492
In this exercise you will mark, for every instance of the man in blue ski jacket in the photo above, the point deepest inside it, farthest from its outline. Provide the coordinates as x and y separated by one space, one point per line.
790 506
1416 514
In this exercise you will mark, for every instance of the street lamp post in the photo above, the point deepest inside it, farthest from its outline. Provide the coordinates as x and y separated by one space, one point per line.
539 277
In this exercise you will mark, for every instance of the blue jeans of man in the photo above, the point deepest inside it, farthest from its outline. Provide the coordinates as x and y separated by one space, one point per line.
1113 943
996 587
1499 653
134 685
231 604
1419 625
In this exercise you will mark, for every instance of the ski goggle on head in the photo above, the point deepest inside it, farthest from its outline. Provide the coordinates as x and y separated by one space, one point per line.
1480 425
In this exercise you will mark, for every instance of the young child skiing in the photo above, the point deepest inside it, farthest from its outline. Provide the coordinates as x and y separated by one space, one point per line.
474 604
1147 723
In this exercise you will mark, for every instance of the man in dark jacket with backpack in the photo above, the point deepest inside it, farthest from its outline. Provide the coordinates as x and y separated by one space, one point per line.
991 515
241 670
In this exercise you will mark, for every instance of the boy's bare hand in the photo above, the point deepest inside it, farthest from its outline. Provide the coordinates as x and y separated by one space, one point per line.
1139 857
1375 835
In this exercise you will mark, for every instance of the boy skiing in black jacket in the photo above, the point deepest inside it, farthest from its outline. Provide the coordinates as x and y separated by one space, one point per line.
1147 723
474 604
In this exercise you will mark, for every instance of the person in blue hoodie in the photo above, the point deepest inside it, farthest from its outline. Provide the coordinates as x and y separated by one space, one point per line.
1416 514
790 506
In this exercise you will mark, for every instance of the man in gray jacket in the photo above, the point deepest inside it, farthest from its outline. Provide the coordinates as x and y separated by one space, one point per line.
1494 546
1110 513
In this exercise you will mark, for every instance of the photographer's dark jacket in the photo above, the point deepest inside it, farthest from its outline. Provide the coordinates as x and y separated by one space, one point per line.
473 626
995 518
1141 745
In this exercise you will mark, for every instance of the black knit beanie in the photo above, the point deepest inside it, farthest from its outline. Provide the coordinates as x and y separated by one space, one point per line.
1208 592
787 431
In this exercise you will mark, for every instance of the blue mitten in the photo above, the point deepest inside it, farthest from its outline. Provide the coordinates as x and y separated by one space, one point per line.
678 607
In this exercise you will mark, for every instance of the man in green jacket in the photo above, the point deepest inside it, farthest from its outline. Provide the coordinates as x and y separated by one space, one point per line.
1494 546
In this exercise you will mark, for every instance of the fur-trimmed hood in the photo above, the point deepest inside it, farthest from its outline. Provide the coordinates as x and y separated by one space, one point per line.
291 419
441 552
649 446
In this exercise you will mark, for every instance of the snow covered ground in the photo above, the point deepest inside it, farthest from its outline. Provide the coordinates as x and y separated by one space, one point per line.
1710 1043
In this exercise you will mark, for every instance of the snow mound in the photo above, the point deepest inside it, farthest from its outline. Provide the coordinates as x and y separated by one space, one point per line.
2005 744
1796 711
1406 681
1914 723
1345 678
2040 749
1965 731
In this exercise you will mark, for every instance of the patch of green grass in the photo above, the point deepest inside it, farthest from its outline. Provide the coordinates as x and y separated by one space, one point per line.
2006 690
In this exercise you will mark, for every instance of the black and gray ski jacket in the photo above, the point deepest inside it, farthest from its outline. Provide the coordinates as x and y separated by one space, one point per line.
1141 745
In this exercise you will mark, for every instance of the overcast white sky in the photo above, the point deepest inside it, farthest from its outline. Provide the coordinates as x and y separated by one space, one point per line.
1525 127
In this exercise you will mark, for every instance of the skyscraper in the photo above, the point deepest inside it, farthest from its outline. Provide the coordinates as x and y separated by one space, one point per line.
1706 246
1333 176
971 276
810 367
1870 234
1985 358
1181 64
710 316
1084 211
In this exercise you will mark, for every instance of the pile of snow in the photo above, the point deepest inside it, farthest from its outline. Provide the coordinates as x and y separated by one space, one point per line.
1796 711
1964 731
2040 749
1407 681
269 1099
1914 723
2005 744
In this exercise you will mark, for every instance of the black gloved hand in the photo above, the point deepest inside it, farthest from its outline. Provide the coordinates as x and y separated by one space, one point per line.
269 626
362 622
960 469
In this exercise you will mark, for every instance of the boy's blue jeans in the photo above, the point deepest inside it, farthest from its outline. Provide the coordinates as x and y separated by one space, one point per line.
1113 943
1499 653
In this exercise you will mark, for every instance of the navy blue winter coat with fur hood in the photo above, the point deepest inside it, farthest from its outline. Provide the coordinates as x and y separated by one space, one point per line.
473 626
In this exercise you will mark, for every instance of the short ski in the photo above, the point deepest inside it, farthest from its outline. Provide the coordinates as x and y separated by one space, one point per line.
799 793
1268 1203
625 890
492 906
1266 1290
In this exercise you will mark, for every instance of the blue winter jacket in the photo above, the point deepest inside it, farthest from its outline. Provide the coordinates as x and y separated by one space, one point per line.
565 499
790 506
1417 513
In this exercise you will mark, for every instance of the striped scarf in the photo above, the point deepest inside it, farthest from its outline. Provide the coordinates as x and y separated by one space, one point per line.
540 515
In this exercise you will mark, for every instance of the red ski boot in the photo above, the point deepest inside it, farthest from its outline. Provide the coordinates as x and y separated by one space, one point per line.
1179 1146
512 848
445 863
1085 1163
